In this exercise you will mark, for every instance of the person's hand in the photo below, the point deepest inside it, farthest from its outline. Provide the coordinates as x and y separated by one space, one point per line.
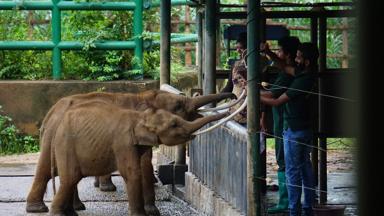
263 125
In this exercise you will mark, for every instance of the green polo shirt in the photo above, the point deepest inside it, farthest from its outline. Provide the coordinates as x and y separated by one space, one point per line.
297 110
282 80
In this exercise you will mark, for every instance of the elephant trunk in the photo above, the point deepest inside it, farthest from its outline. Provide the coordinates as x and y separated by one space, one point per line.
224 106
199 123
200 101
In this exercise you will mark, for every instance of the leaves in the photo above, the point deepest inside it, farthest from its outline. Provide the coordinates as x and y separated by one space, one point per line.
87 27
12 141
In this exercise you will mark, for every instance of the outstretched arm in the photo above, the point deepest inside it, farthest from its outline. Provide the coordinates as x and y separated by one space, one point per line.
274 101
266 94
280 63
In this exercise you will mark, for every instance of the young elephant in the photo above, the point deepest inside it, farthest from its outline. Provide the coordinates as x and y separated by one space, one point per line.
97 138
185 107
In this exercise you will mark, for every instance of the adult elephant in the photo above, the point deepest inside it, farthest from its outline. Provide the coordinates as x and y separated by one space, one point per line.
185 107
96 138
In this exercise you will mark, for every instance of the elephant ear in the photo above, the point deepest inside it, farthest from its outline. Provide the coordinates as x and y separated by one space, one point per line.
145 135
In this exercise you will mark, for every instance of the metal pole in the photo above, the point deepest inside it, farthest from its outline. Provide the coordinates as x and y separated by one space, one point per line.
137 31
323 139
315 151
289 14
165 45
263 161
56 38
210 47
254 174
199 18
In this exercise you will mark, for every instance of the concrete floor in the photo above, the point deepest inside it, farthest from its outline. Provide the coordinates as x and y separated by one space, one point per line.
15 183
16 179
341 191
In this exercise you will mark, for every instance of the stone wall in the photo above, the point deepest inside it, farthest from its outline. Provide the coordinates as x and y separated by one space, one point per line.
27 102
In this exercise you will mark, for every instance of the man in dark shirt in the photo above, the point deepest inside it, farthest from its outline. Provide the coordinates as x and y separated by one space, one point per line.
287 52
297 132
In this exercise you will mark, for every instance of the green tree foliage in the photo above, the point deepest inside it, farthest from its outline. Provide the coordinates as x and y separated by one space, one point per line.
12 141
91 26
85 26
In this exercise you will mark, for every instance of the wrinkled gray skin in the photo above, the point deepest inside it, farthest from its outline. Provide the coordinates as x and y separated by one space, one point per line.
182 106
84 146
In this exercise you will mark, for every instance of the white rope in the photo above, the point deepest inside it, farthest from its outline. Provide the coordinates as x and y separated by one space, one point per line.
299 186
321 149
264 84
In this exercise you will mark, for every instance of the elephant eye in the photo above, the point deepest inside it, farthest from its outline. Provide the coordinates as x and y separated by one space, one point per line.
174 124
177 107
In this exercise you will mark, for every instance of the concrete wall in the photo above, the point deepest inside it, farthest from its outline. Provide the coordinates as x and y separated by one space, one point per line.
205 200
27 102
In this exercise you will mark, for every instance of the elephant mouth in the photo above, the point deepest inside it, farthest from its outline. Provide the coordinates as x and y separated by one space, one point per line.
224 120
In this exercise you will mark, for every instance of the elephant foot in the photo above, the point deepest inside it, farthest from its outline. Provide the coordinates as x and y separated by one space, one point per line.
107 186
137 214
96 183
78 206
70 212
36 207
152 210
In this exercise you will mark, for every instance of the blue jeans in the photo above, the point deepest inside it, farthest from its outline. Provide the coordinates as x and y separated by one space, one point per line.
298 169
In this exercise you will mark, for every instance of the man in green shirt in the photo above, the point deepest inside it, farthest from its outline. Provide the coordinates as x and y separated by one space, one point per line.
297 132
287 52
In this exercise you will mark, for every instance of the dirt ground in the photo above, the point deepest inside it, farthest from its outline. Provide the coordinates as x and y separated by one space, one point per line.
30 158
338 161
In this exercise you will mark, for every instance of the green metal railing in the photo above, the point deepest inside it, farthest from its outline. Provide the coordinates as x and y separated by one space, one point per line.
57 45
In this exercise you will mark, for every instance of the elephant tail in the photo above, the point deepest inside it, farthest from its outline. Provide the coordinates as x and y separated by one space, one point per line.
53 165
66 103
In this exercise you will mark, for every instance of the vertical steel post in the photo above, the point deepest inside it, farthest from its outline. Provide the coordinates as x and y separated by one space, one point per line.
263 161
315 151
165 44
210 47
137 32
56 38
200 42
254 175
323 138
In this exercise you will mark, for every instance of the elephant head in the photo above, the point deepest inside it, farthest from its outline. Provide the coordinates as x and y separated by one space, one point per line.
186 107
162 127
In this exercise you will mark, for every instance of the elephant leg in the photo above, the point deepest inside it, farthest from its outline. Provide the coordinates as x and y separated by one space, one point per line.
128 162
62 203
77 204
35 197
148 182
106 183
69 171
